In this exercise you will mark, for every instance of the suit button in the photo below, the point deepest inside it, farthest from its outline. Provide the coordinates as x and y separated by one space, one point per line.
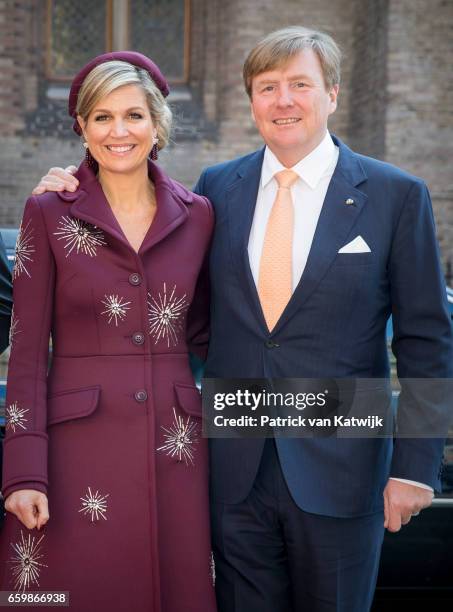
271 344
138 338
141 395
135 279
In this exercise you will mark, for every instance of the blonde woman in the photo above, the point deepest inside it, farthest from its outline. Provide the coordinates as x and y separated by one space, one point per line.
105 474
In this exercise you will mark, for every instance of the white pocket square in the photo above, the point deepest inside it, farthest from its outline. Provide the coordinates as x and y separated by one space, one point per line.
358 245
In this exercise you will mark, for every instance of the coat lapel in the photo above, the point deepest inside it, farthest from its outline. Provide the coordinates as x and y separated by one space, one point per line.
335 223
90 204
172 200
241 198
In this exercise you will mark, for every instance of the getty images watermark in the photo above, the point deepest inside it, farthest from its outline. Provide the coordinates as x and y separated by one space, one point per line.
265 399
326 407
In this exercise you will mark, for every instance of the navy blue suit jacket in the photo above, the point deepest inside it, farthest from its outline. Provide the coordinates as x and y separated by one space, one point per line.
333 326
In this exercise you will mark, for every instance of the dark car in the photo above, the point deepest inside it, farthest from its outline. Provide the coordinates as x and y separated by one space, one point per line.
9 236
9 239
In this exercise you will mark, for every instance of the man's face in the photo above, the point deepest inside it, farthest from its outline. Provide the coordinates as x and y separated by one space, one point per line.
290 106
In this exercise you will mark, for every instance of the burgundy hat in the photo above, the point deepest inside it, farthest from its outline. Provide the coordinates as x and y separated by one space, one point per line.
132 57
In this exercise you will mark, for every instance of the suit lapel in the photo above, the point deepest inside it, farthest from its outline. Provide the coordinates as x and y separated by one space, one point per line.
241 198
335 223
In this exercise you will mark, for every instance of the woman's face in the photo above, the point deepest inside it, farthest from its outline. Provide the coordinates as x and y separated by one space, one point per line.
120 131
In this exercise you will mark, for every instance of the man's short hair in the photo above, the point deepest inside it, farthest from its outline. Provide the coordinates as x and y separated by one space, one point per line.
278 47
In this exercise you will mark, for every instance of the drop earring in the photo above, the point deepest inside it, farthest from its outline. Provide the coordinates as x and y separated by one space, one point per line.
154 150
89 159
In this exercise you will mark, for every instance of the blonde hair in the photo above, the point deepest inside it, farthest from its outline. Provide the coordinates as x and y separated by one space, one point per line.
278 47
107 77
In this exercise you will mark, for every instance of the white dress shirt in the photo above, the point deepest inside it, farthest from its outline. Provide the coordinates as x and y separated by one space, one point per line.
308 194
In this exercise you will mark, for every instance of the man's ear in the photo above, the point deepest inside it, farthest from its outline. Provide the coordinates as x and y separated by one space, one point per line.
333 94
251 111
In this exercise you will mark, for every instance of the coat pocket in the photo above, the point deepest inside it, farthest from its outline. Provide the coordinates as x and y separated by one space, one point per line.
189 399
72 404
354 259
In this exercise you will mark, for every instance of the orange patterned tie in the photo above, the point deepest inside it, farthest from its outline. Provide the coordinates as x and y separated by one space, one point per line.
275 274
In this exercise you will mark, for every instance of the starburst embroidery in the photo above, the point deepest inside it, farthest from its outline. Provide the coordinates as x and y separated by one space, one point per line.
81 236
212 568
26 564
94 505
15 417
24 250
115 308
165 315
13 328
180 439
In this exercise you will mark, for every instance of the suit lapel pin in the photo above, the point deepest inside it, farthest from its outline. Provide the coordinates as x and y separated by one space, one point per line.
349 202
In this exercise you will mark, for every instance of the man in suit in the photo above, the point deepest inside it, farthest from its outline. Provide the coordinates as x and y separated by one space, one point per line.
298 523
315 246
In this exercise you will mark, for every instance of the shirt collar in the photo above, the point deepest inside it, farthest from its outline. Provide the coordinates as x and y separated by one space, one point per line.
310 169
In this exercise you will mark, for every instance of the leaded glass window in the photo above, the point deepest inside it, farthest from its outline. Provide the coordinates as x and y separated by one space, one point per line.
78 31
158 29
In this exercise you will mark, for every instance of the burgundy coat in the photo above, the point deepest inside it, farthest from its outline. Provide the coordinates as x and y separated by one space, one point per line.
113 432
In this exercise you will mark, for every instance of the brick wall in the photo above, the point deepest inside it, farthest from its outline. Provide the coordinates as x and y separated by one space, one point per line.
10 99
419 121
393 100
368 85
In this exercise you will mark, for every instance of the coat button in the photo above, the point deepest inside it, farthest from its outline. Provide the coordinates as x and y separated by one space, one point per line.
141 395
138 338
135 279
271 344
